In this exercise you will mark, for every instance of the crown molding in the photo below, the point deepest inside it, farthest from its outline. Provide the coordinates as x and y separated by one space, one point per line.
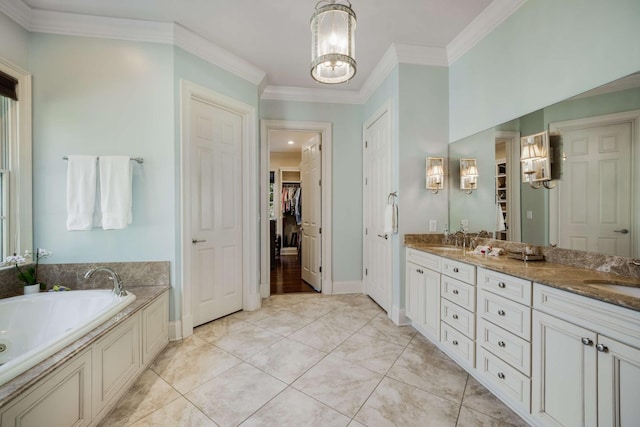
210 52
421 55
301 94
483 24
71 24
18 11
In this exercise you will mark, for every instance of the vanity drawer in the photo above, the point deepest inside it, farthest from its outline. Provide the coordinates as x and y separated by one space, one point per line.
424 259
514 288
458 317
459 292
507 381
509 315
459 270
460 345
508 347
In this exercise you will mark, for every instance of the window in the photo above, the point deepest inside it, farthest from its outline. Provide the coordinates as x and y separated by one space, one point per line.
16 232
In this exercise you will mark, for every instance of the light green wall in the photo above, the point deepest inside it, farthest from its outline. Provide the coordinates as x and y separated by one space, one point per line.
14 42
346 120
548 50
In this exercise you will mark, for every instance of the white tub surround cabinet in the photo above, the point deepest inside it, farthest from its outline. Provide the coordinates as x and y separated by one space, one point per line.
85 388
586 361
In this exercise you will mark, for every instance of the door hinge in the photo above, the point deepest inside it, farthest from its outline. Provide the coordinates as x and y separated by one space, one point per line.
320 269
366 181
366 271
320 230
366 231
320 147
366 143
320 182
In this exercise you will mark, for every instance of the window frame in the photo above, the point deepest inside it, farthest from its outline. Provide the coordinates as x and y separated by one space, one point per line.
20 213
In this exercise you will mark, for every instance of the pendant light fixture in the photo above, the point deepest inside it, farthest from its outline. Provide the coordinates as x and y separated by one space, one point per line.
333 27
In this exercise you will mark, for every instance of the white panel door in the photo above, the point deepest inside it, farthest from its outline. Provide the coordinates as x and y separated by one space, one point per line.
216 211
311 173
595 192
377 250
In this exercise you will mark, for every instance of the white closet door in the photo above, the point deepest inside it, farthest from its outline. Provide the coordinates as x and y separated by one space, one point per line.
311 172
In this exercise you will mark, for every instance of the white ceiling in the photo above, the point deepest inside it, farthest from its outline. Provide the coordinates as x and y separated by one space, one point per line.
274 35
279 140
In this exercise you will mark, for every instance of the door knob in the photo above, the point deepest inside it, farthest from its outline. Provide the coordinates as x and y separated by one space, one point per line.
196 241
622 231
385 236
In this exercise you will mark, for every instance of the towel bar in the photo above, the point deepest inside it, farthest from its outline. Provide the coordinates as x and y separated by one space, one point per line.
135 159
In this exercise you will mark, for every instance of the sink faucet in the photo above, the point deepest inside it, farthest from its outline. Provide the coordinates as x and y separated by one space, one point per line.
118 286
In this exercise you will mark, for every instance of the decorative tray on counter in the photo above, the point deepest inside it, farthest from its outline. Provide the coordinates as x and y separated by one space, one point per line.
525 257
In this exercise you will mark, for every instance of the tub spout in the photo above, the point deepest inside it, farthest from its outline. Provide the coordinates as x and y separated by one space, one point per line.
118 286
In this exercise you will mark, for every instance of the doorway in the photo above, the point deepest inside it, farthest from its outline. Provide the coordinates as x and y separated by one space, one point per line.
296 202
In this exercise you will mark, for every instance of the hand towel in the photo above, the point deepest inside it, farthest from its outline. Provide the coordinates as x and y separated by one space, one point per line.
115 191
391 218
500 219
81 192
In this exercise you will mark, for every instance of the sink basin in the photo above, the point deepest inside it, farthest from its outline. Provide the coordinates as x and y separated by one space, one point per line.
631 291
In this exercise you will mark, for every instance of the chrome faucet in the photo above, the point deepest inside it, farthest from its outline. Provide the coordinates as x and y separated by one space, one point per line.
118 286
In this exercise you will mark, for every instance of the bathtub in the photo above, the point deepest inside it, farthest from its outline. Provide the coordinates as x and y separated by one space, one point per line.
33 327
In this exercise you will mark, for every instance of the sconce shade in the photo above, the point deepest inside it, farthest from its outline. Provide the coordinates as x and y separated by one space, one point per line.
531 152
435 174
468 175
333 28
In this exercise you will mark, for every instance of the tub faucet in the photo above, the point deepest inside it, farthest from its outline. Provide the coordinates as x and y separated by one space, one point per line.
118 286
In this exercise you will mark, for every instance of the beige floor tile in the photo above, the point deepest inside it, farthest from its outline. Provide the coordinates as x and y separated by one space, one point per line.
180 412
470 418
394 403
293 408
430 372
383 328
247 341
369 352
342 385
177 348
477 397
233 396
321 335
348 318
219 328
187 371
284 322
354 423
255 315
313 308
286 359
149 393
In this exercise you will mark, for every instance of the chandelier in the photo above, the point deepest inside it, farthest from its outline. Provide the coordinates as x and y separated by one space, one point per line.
333 27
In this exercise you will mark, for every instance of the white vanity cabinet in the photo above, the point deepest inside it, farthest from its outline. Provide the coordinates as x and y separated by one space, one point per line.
504 336
586 361
458 311
423 292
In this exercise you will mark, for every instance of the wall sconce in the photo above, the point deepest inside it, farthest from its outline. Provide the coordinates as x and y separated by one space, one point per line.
468 175
435 174
535 160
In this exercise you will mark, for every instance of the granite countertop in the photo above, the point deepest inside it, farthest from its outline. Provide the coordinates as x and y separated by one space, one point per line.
144 296
560 276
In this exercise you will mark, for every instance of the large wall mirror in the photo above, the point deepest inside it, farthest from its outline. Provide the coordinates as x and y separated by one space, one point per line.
594 207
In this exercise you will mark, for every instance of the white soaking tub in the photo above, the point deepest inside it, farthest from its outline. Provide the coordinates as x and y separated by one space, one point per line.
34 327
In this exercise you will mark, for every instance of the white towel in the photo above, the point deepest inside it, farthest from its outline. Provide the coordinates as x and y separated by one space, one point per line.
500 219
81 192
391 218
115 191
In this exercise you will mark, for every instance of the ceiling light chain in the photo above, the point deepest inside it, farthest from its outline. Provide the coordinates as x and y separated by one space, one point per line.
333 27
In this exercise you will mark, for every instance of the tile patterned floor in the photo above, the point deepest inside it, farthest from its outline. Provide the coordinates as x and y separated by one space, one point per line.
307 360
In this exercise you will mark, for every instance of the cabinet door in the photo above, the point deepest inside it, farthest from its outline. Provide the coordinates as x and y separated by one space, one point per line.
415 292
618 383
431 324
155 328
564 372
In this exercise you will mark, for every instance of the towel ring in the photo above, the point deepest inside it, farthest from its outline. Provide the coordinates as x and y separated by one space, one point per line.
392 196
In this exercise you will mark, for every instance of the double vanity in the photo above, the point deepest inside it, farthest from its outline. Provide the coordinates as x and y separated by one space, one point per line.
560 345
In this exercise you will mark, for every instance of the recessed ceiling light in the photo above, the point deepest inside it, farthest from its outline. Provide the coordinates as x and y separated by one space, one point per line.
290 142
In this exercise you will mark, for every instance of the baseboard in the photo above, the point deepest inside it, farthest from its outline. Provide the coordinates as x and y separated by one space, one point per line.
354 287
399 317
175 330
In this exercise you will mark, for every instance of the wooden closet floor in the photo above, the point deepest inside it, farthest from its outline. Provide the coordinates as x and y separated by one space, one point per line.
287 276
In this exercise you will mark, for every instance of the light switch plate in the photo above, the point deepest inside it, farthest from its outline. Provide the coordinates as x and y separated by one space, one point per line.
433 225
529 214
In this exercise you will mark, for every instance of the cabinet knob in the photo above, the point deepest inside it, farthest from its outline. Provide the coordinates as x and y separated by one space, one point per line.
603 348
587 341
501 285
454 342
501 344
455 316
501 313
455 292
500 375
455 269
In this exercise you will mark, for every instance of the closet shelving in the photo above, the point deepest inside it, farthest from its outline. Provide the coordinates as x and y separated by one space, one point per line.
288 229
501 194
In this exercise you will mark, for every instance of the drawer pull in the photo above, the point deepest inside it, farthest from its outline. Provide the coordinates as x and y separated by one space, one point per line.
454 342
502 285
500 375
501 313
455 292
603 348
455 269
455 316
501 344
587 341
